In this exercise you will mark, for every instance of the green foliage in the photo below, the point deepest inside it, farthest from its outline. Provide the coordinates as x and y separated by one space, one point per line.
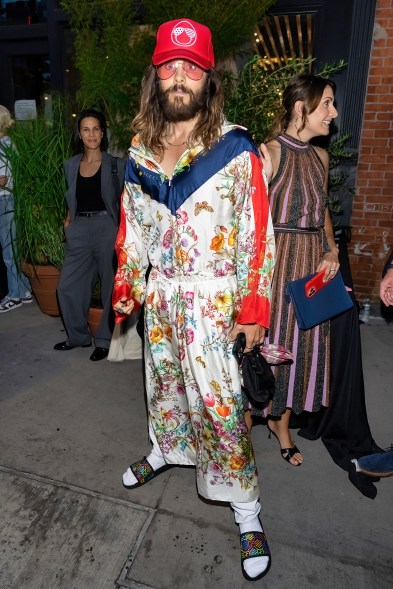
39 186
338 179
111 54
338 152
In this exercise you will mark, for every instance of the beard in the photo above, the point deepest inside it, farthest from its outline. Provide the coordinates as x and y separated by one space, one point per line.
177 111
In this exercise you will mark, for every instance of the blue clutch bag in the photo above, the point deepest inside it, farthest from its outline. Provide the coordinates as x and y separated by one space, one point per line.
317 305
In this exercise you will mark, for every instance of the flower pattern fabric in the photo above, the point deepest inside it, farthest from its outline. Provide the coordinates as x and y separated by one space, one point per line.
212 263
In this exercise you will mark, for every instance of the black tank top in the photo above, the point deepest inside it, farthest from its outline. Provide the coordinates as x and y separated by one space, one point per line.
88 193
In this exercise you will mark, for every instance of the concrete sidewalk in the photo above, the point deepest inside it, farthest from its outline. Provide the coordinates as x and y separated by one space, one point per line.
69 428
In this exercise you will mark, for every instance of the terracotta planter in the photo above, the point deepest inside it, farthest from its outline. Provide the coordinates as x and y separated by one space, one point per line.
44 280
93 319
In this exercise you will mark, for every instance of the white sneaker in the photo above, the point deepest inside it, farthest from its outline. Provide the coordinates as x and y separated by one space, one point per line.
28 298
8 304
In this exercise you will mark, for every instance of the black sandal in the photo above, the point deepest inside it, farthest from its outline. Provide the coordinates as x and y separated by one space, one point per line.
143 472
252 545
288 453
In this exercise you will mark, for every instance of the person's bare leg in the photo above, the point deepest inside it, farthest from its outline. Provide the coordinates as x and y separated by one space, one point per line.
248 419
280 428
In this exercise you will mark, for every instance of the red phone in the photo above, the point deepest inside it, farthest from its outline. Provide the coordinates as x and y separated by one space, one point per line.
315 284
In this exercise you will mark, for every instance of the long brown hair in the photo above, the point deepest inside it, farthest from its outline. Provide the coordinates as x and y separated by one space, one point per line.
150 121
305 87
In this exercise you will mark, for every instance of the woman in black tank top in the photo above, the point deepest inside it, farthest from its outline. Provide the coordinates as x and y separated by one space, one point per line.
94 181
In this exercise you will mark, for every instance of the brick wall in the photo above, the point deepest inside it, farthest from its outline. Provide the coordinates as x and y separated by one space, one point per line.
372 214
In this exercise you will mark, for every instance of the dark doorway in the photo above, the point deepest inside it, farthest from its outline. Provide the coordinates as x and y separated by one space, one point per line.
25 65
30 76
19 12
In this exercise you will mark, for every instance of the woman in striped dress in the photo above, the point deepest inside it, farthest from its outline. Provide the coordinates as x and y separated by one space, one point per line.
304 244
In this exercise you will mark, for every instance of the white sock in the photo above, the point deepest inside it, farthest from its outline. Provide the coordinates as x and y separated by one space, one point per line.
246 516
155 459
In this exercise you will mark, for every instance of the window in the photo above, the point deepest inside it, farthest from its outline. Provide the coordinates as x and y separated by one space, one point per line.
280 39
22 12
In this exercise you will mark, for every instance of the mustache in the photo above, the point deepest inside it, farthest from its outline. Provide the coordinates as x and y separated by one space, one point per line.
177 88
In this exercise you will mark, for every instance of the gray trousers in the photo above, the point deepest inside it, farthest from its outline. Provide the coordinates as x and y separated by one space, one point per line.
89 255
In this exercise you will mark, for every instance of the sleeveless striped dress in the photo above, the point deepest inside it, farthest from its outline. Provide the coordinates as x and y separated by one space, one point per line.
298 203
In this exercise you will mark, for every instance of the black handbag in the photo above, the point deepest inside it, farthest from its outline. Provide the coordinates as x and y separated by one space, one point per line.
320 305
258 378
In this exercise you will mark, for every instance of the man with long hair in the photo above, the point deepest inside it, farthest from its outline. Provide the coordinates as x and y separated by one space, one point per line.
195 210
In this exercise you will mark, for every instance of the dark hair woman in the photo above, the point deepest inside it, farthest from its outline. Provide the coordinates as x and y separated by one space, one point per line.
95 180
79 146
304 244
328 360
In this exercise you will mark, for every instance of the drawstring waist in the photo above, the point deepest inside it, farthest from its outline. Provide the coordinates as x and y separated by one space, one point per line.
187 278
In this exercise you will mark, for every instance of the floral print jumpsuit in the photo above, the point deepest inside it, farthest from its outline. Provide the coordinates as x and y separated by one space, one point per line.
207 234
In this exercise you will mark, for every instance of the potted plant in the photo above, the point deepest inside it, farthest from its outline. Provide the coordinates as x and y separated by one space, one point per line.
40 148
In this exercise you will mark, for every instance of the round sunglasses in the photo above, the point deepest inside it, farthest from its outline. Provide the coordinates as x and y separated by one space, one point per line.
167 70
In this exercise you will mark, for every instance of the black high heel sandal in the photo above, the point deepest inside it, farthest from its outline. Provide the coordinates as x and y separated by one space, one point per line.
286 453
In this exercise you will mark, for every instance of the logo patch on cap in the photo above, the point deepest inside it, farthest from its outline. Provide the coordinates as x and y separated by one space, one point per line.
183 34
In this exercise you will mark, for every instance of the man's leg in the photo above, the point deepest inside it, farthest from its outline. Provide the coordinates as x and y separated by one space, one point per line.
255 553
377 465
155 459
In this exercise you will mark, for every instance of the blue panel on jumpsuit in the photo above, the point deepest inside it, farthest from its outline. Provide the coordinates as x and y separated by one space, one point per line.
174 192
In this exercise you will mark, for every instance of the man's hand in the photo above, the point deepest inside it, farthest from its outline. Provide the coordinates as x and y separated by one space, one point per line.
386 288
255 334
124 306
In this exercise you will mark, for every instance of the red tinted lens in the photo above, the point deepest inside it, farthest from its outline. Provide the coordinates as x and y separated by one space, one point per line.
167 70
193 71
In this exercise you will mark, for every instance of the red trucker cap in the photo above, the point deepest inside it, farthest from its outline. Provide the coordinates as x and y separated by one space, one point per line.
184 39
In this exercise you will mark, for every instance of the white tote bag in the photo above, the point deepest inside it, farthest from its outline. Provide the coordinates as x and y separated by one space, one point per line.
126 343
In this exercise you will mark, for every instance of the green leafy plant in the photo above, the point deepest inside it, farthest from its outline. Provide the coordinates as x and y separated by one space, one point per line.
338 178
111 53
36 158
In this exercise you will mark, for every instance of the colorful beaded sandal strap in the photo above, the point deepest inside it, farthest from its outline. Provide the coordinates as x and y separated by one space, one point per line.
142 471
253 544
